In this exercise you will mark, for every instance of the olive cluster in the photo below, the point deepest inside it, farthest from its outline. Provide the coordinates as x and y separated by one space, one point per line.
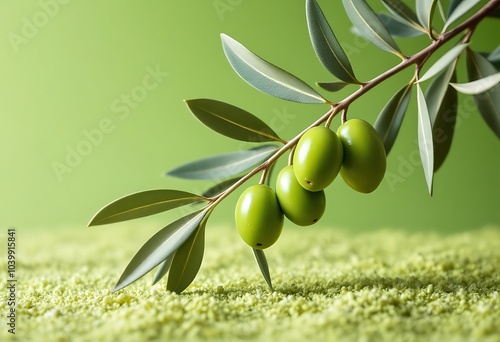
356 151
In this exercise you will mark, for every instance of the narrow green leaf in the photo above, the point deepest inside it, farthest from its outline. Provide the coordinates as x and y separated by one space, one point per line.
332 86
488 102
437 89
260 257
494 58
478 86
443 124
187 260
160 247
224 165
220 187
163 268
425 144
425 12
460 9
142 204
443 62
232 121
370 26
402 10
398 27
267 77
441 10
325 44
453 4
390 118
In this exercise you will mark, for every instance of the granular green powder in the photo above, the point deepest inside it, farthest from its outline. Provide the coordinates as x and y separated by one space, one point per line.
330 285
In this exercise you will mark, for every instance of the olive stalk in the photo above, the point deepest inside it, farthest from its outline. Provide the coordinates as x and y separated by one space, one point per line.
418 60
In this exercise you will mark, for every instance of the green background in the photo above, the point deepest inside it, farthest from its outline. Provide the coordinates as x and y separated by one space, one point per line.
67 68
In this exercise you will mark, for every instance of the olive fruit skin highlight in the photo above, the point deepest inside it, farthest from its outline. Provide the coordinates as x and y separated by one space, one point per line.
317 158
258 216
365 161
299 205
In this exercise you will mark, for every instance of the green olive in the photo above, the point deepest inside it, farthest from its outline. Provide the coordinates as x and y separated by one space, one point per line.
317 158
258 216
364 162
299 205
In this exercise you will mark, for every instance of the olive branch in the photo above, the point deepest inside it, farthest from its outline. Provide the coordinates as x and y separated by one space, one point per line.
178 248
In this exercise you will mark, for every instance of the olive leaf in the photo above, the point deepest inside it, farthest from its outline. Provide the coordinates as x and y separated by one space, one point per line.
390 118
224 165
231 121
370 26
402 10
425 12
460 9
142 204
443 62
332 86
163 268
267 77
187 260
220 187
494 57
443 124
425 144
326 45
260 257
437 89
451 7
478 86
488 102
398 27
160 247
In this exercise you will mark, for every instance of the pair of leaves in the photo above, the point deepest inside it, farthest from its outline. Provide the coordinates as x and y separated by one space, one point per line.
409 23
234 123
183 265
179 246
437 113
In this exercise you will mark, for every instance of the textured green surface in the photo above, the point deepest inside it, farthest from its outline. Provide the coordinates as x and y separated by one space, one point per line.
329 285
